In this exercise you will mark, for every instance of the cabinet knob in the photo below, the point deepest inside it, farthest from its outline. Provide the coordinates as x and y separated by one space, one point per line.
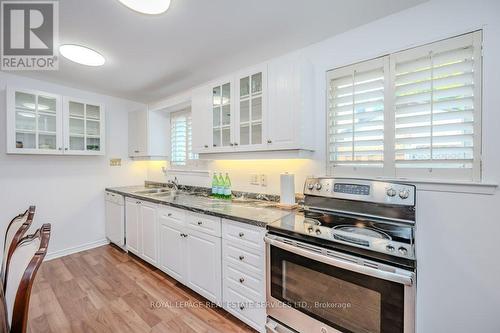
269 141
136 151
200 223
242 307
231 144
241 258
236 143
241 234
66 148
60 148
169 214
242 280
214 145
206 146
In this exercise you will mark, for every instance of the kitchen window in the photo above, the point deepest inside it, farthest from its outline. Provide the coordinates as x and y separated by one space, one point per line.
181 138
410 114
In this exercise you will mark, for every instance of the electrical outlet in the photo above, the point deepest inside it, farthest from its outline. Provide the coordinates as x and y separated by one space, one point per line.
254 179
263 180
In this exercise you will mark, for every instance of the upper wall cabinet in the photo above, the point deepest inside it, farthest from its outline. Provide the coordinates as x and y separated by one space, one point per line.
264 108
45 123
85 124
148 134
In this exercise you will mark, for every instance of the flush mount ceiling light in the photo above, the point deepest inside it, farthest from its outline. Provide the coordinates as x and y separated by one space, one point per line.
151 7
82 55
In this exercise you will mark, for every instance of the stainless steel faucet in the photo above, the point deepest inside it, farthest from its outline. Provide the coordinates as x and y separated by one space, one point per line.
174 183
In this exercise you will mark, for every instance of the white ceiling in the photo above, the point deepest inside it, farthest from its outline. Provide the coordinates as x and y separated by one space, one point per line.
152 57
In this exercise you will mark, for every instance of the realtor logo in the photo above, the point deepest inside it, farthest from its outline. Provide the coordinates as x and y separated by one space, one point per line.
29 35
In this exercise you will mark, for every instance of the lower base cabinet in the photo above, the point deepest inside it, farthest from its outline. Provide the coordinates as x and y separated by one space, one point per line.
141 229
190 256
243 268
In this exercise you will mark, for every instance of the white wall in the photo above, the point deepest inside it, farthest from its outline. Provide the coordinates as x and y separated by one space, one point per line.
67 190
457 233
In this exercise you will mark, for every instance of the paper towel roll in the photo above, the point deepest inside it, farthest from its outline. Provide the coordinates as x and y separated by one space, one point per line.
287 189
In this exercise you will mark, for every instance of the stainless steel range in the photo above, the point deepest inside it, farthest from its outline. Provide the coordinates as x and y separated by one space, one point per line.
348 263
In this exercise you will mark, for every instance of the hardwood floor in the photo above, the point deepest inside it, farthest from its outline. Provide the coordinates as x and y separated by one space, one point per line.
106 290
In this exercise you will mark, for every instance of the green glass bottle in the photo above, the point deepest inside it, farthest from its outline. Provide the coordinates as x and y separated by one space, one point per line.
215 186
220 186
227 187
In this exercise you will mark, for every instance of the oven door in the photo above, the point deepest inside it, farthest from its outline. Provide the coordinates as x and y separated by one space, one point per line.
316 290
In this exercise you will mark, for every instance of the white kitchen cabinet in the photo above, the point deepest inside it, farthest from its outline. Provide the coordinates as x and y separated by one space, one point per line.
269 107
189 251
148 134
44 123
149 232
172 244
243 280
85 126
203 265
142 229
290 116
132 223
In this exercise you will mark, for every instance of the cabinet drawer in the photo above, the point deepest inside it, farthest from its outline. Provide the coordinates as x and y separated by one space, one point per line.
204 223
246 284
172 213
250 311
250 261
243 234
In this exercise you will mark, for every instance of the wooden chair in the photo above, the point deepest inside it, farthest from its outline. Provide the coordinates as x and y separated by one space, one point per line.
25 261
16 229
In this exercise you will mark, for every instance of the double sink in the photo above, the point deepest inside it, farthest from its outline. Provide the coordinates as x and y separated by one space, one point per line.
166 192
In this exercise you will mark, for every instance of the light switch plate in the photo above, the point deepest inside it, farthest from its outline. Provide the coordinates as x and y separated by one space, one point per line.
115 162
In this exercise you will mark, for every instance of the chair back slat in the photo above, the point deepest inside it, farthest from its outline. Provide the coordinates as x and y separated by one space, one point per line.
16 229
26 259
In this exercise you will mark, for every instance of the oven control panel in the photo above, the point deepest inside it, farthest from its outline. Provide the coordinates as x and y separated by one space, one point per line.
362 190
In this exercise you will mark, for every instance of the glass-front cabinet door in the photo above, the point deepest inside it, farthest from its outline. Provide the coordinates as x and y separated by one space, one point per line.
34 122
251 104
221 115
84 133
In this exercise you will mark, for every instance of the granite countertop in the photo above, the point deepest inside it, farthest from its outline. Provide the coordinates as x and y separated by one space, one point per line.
255 212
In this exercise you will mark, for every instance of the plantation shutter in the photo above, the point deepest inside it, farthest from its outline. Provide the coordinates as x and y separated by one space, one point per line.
356 108
436 105
181 138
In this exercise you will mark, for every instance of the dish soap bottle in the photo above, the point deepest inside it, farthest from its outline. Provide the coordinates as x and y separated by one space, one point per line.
215 186
227 187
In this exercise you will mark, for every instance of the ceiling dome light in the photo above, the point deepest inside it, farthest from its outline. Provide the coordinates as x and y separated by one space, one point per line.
151 7
82 55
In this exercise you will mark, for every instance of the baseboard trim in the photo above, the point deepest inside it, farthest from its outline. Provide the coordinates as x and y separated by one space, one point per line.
75 249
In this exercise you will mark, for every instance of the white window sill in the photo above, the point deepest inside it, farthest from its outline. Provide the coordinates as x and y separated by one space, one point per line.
448 186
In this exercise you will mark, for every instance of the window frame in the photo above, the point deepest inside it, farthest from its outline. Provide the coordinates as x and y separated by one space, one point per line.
389 170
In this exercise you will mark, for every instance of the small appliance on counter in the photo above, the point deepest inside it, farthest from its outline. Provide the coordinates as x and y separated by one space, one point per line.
348 263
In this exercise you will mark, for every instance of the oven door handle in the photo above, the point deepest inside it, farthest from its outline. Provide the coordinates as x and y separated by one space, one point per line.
398 275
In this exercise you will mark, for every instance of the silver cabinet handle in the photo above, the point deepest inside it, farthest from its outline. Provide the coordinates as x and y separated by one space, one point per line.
242 280
200 223
241 234
241 258
169 214
269 141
